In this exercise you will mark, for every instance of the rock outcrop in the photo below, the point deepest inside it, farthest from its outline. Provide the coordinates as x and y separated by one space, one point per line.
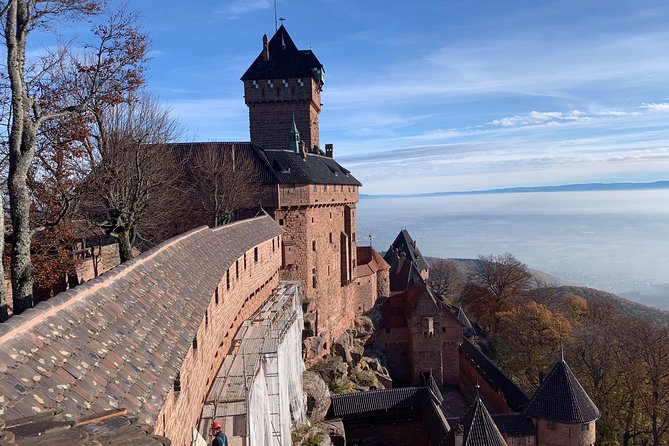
317 395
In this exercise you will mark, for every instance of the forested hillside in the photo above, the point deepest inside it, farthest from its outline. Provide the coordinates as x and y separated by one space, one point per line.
619 350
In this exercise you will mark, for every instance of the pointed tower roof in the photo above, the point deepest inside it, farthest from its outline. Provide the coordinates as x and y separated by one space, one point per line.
404 243
284 61
480 429
294 140
562 399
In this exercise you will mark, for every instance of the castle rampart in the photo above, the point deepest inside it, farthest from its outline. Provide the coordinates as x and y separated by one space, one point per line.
149 335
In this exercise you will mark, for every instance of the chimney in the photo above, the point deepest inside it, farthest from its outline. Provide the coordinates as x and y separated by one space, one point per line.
303 150
265 48
329 148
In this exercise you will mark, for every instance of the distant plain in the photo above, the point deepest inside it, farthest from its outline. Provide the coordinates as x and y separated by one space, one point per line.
615 241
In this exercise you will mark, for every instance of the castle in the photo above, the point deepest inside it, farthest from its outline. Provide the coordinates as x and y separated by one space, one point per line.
154 334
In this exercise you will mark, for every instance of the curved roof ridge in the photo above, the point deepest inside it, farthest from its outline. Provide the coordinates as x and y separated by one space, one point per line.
28 319
562 399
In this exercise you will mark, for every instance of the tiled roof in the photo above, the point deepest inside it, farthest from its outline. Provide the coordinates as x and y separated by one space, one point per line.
120 339
561 398
53 429
480 429
404 243
369 261
280 166
514 425
285 60
515 397
384 399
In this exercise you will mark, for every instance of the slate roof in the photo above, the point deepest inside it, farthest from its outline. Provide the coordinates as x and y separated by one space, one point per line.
561 398
403 273
289 167
421 402
281 166
514 425
404 243
515 397
285 60
120 339
479 428
384 399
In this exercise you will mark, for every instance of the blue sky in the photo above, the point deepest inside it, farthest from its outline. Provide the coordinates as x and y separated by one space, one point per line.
444 95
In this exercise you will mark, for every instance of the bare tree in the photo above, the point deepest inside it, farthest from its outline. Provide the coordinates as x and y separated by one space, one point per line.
4 144
496 283
224 182
59 86
446 279
133 189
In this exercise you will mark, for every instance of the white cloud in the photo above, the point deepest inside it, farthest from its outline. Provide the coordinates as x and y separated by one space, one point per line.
535 117
240 7
656 106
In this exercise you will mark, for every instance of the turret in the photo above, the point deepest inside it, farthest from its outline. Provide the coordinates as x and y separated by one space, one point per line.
562 411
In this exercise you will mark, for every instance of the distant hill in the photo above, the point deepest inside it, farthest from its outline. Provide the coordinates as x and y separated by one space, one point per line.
624 306
562 289
655 296
586 187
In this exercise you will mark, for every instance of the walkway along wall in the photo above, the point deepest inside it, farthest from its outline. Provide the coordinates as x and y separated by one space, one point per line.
257 394
149 335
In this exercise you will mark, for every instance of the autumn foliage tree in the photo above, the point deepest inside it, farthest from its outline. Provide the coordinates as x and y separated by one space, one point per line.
60 84
528 340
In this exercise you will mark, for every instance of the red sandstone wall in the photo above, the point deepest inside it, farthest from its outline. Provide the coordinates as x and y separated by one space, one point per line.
247 292
565 434
383 282
394 342
365 292
314 218
272 106
520 441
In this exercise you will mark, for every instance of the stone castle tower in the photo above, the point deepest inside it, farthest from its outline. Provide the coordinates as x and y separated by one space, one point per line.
312 197
282 84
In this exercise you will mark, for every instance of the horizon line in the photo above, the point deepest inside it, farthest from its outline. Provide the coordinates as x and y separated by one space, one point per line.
577 187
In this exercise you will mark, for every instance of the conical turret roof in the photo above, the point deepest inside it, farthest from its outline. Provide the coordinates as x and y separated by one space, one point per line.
480 429
562 399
